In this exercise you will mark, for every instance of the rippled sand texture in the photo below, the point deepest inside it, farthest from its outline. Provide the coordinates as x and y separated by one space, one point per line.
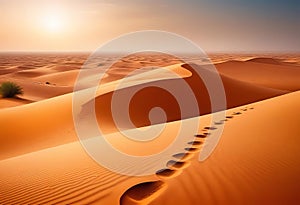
257 160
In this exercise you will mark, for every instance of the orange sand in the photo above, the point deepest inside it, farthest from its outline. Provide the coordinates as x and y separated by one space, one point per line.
256 161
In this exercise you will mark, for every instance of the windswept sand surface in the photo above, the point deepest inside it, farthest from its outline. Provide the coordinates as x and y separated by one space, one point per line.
27 69
43 76
257 160
264 72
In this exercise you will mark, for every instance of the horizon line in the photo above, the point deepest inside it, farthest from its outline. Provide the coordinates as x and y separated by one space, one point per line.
208 52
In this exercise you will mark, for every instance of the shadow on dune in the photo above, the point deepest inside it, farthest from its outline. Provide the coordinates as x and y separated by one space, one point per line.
150 96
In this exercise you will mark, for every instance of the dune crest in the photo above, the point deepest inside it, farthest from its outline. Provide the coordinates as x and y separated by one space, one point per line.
256 160
236 173
283 77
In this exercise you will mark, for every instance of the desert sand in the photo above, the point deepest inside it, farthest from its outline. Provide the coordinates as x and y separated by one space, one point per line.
256 161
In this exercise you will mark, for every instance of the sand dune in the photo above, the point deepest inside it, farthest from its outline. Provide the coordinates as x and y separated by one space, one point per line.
265 61
237 93
59 71
288 58
29 73
35 116
13 102
256 161
263 72
33 71
65 78
241 170
43 122
50 75
36 126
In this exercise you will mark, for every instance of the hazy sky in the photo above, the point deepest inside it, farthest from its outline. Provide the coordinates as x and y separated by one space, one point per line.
215 25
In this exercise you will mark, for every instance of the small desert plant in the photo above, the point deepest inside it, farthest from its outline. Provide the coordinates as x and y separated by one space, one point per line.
10 90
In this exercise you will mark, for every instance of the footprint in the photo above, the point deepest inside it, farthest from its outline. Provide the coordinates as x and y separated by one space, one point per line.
237 113
202 136
183 156
143 193
167 173
195 143
210 128
177 164
219 123
191 149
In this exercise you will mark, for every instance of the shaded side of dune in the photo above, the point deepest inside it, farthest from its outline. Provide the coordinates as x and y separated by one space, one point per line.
149 95
49 123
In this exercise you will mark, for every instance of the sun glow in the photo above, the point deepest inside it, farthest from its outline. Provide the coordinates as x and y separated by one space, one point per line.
53 22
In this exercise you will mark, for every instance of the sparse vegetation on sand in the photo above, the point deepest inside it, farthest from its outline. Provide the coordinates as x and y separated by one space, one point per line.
10 90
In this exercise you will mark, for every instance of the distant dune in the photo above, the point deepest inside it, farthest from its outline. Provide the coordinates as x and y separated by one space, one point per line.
265 60
263 73
63 78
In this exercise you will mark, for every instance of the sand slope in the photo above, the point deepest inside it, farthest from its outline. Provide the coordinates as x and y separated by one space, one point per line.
241 170
47 75
43 124
13 102
49 123
263 71
256 162
237 93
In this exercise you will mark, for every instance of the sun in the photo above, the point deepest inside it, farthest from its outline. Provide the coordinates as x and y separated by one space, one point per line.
53 22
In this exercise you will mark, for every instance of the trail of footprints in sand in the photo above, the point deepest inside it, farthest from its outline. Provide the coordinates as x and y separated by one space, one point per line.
146 192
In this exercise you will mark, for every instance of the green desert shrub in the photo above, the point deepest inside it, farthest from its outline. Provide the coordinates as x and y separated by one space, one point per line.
10 90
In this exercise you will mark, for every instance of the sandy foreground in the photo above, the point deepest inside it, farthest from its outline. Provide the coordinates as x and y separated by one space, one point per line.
257 160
